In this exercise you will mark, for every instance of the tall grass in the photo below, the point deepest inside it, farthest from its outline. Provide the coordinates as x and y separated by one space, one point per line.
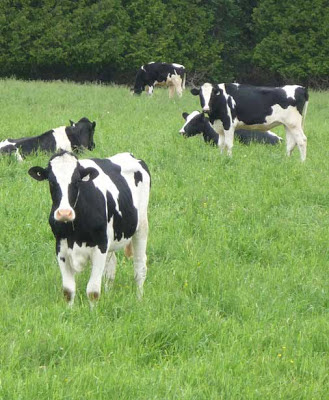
237 295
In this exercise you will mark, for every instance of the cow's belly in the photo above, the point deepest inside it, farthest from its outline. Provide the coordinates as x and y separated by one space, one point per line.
117 245
258 127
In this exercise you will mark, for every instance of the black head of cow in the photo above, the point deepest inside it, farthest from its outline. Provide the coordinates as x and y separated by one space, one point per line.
85 129
195 123
206 93
65 176
140 81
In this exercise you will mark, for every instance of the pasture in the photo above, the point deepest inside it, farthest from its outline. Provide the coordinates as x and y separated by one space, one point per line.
237 294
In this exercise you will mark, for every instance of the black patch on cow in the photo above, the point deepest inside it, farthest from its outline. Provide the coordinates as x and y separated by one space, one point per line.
62 259
145 167
138 177
124 225
218 109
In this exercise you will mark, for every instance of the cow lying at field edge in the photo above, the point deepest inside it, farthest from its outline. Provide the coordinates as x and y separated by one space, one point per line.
71 138
99 206
231 106
196 122
157 74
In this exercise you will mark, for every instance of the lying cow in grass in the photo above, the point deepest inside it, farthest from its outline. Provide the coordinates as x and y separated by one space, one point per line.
99 206
196 122
160 74
232 106
70 138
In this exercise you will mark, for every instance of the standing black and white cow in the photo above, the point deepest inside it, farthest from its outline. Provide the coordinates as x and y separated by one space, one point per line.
157 74
196 122
99 206
70 138
231 106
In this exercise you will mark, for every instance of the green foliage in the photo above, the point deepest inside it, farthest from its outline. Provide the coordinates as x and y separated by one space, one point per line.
217 40
236 297
293 39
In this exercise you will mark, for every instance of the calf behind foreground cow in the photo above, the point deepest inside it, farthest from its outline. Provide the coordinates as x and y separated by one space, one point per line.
231 106
159 74
99 206
70 138
196 122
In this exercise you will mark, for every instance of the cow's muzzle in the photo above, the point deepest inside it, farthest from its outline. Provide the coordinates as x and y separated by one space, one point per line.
205 109
64 215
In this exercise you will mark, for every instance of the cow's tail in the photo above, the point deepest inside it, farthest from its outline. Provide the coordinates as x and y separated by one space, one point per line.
305 108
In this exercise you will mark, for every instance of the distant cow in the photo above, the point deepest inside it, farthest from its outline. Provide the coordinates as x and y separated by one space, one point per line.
196 122
157 74
231 106
99 206
71 138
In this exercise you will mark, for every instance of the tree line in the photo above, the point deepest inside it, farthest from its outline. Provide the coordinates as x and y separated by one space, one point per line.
255 41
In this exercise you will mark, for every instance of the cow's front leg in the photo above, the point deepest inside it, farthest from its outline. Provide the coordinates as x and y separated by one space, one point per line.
98 260
229 138
218 127
67 277
109 271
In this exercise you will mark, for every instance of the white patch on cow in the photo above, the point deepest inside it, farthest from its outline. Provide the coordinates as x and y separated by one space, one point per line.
5 143
188 119
206 90
274 135
177 65
290 90
63 168
61 139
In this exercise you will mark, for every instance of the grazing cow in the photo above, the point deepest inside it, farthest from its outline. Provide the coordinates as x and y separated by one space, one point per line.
231 106
71 138
196 122
99 206
155 73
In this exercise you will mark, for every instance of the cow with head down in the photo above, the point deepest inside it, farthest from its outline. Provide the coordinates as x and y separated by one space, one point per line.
98 207
160 74
232 106
76 137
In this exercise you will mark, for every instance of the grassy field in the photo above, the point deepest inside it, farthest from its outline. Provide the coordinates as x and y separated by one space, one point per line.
237 294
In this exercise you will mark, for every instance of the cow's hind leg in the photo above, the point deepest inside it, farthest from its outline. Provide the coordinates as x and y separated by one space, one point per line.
98 260
229 137
295 136
139 243
171 89
110 268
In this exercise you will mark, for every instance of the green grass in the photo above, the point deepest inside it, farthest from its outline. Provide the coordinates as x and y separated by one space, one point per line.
237 294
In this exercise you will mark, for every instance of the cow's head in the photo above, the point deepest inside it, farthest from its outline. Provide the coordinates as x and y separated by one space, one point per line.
206 92
195 123
140 82
85 130
65 176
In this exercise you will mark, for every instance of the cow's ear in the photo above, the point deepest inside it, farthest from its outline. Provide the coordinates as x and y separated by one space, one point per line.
93 124
72 123
88 174
195 91
185 115
38 173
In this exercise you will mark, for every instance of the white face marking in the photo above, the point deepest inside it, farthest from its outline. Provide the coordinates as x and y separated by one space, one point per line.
206 90
6 143
63 168
62 141
188 119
